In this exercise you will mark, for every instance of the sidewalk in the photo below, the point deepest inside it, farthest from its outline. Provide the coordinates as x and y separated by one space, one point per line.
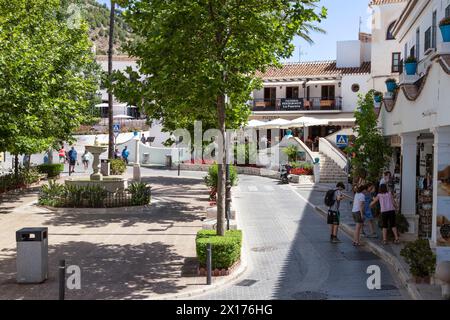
390 252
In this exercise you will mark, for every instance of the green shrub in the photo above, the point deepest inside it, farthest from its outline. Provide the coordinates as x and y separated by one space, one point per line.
95 196
52 194
291 152
226 250
302 165
118 166
213 173
140 193
74 196
420 258
52 170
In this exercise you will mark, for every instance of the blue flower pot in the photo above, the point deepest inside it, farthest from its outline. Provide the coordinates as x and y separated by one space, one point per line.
411 68
377 99
445 30
391 86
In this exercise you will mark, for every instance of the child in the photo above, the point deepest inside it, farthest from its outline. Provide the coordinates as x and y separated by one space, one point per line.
368 214
388 207
359 205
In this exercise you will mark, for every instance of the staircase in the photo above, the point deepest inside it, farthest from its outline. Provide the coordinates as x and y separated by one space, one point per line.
330 172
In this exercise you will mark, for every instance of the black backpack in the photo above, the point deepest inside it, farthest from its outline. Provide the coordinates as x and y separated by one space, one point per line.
329 198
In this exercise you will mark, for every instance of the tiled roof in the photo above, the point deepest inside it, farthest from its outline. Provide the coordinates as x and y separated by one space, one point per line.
312 69
381 2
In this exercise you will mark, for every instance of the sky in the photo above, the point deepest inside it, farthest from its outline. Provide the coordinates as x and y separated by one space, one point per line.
342 24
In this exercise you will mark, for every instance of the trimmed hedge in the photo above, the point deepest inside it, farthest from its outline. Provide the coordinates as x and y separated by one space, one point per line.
52 170
226 250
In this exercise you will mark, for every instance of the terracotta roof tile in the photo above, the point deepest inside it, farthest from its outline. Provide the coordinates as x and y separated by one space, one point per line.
381 2
312 70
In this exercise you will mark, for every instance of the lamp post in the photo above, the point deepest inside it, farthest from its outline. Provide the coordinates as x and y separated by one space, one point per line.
179 155
228 184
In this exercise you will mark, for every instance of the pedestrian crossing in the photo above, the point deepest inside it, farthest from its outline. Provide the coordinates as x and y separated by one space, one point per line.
261 188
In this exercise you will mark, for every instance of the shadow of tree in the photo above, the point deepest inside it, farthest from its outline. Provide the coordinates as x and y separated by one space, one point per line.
107 272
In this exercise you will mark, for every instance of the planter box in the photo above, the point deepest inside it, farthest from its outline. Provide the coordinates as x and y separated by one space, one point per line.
378 99
391 86
411 68
445 31
219 272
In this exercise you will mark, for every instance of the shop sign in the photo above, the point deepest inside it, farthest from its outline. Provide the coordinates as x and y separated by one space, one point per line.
292 104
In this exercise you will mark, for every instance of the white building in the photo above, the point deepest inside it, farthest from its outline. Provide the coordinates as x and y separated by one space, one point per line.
417 118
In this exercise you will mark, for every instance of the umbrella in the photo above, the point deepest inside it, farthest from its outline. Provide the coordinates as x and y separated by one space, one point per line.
277 123
305 122
255 123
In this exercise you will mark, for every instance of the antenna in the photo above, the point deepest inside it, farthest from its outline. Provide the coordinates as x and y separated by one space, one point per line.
360 23
300 53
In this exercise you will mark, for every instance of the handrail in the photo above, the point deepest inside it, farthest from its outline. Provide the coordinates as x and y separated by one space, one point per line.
329 150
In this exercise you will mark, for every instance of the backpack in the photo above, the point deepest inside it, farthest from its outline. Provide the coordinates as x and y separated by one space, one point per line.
329 198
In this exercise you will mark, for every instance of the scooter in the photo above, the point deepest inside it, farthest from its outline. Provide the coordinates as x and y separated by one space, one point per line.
285 174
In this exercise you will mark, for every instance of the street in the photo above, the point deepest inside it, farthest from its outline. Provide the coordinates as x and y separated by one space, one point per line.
290 255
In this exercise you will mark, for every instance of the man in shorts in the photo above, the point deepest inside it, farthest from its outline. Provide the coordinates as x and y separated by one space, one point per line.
334 214
73 156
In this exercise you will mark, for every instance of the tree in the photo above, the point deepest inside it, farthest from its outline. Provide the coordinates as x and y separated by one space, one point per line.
194 54
48 75
370 150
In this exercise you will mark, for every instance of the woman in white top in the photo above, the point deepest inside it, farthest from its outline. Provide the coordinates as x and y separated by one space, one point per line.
359 207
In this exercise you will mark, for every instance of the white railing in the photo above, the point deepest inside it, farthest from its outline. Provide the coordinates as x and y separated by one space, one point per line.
332 152
308 151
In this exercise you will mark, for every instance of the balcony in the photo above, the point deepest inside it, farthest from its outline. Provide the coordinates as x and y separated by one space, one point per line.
301 104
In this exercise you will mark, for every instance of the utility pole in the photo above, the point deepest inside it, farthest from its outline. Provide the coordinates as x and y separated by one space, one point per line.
110 71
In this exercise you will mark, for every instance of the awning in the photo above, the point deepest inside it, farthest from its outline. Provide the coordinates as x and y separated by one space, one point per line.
319 120
315 82
254 124
116 105
284 83
277 123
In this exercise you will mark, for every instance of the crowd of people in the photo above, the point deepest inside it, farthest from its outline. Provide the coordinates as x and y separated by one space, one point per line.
369 203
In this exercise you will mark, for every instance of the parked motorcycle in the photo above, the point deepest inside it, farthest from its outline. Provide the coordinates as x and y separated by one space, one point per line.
285 174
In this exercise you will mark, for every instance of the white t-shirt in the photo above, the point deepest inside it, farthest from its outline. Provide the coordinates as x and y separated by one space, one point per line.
359 197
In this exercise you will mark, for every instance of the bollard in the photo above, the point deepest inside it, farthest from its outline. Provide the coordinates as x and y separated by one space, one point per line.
208 264
62 279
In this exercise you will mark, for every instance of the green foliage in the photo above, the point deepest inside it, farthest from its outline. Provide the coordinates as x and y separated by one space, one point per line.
370 149
420 258
291 152
74 195
52 170
226 250
302 165
391 80
411 59
51 194
140 193
25 177
118 166
212 177
48 76
445 22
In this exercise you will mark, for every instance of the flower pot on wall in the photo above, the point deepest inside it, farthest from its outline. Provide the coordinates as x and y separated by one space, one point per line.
445 30
411 68
391 86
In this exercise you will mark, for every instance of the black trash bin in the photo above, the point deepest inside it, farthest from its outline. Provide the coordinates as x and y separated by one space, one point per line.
32 255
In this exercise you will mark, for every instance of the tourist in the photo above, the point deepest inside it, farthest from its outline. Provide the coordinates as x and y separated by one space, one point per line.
358 212
85 158
117 154
143 139
368 213
333 212
73 156
62 155
388 208
125 154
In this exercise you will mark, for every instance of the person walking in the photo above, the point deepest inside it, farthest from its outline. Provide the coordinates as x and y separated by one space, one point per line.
358 210
388 208
73 156
85 159
368 213
143 140
333 211
125 154
62 155
117 154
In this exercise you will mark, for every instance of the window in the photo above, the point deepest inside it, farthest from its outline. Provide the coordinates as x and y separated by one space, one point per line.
395 62
355 87
427 44
434 30
447 12
292 92
389 35
418 44
412 51
328 92
270 93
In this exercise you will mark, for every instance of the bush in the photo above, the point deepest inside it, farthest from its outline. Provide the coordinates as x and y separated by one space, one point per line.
226 250
213 173
291 152
118 166
51 194
420 258
411 59
140 194
52 170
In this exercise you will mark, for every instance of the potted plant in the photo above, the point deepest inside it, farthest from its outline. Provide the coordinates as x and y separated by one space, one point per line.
420 258
411 65
377 96
444 25
391 84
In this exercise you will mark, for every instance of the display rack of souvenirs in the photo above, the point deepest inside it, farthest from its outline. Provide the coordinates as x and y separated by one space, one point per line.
424 209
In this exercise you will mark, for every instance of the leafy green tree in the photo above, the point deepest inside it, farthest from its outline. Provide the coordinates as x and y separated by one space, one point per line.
196 53
370 150
48 77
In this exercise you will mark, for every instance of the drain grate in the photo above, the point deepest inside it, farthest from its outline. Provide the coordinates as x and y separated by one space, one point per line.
264 249
388 287
360 256
246 283
310 295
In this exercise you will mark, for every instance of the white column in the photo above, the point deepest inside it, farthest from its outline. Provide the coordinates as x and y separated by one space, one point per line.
137 165
441 156
409 166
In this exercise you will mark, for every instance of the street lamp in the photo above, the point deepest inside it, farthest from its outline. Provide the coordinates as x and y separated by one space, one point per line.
228 184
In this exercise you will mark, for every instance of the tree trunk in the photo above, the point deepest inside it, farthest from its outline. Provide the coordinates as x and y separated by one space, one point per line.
221 181
50 155
110 70
16 165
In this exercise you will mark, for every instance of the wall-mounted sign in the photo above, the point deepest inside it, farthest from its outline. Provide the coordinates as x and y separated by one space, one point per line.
291 104
342 141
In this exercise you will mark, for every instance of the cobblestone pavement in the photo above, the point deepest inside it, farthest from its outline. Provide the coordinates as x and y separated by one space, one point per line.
289 252
123 254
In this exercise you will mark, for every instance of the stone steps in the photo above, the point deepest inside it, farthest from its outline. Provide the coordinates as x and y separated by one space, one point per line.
330 172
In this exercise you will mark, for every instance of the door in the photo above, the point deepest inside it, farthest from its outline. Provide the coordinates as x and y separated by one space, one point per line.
270 97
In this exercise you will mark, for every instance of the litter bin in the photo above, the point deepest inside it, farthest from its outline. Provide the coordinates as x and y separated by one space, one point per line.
32 255
146 158
169 161
105 167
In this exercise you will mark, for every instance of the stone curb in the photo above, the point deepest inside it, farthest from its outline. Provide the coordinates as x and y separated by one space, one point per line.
386 256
